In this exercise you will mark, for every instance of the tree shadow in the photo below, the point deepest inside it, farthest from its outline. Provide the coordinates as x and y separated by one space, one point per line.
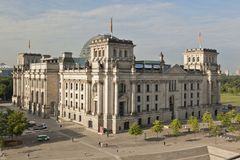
150 139
193 139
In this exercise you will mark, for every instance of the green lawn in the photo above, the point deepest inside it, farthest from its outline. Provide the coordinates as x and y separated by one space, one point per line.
230 99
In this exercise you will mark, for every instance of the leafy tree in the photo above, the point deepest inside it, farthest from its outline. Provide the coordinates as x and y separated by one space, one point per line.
3 88
207 118
193 122
17 123
157 127
6 88
215 131
237 118
135 130
176 125
226 119
3 124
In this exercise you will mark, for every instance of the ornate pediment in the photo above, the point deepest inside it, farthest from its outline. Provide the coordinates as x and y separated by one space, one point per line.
176 69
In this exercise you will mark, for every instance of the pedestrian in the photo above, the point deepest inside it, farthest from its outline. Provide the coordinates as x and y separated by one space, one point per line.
99 144
164 143
72 139
28 155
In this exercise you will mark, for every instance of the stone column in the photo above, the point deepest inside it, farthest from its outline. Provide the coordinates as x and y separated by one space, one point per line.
87 93
133 107
100 98
116 98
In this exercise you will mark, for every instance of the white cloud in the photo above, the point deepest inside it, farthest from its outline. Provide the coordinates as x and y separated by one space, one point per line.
153 27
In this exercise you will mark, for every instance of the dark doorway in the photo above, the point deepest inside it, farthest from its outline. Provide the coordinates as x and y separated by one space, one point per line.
139 121
171 106
149 120
121 108
216 112
186 115
126 125
90 124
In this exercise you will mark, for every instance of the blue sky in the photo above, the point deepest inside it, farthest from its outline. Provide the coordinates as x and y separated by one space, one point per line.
55 26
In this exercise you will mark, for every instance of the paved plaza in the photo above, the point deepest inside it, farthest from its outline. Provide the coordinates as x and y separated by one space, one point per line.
74 142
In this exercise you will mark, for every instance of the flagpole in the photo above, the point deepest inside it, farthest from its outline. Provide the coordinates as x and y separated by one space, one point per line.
111 27
29 45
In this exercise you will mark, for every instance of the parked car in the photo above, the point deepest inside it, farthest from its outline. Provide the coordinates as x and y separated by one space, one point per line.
40 127
43 137
31 124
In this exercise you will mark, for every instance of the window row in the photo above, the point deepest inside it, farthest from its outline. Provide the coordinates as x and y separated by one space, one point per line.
148 88
192 86
191 95
72 105
71 95
139 109
120 53
147 98
76 86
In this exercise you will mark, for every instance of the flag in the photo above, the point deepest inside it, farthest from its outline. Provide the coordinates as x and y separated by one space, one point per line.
29 44
200 39
110 26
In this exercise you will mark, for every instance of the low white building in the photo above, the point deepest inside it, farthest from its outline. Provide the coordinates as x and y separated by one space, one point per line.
106 88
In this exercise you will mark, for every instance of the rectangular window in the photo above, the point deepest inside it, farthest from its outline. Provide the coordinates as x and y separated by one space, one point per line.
138 98
191 95
74 116
198 86
69 115
197 102
138 108
185 86
80 118
66 103
191 86
76 86
66 86
191 103
139 88
156 106
81 105
148 88
76 105
147 98
71 86
147 107
198 95
71 104
81 87
81 96
76 96
156 97
66 95
185 95
185 104
156 88
71 95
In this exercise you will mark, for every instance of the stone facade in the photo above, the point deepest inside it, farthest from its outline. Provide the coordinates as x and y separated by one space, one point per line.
106 88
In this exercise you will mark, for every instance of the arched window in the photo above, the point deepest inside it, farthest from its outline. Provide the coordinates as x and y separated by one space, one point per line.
189 59
120 53
197 59
114 53
193 59
103 53
125 53
122 88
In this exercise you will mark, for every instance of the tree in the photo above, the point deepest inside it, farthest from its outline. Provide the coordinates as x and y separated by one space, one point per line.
237 118
17 123
193 122
135 130
207 118
176 125
3 89
157 127
226 119
215 131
